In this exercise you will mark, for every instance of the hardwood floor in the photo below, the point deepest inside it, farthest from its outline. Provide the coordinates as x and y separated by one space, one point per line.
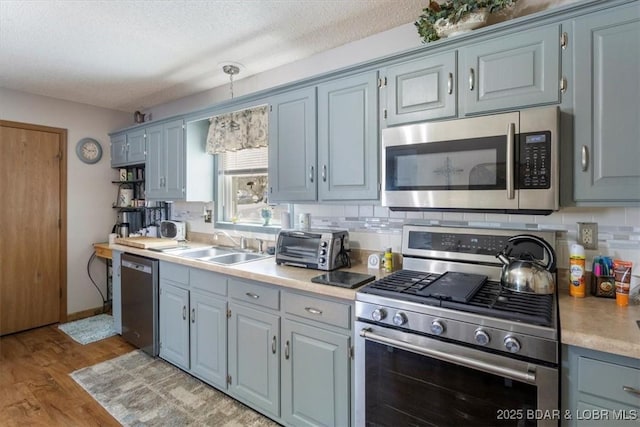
35 386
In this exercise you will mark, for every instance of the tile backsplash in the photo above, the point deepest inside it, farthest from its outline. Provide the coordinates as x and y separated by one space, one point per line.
373 227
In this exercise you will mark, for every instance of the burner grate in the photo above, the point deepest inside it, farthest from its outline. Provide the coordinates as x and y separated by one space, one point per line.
493 300
489 300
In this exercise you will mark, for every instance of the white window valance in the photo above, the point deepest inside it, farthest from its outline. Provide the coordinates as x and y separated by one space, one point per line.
239 130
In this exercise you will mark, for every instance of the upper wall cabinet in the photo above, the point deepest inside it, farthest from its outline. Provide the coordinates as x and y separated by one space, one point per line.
607 107
348 138
422 89
511 71
128 148
165 161
292 146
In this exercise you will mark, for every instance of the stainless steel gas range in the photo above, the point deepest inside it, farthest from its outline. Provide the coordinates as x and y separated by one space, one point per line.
440 343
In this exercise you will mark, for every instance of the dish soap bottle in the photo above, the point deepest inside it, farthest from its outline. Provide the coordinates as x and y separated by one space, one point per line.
388 260
576 271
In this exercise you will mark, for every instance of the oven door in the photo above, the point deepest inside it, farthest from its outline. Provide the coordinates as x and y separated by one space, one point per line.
404 379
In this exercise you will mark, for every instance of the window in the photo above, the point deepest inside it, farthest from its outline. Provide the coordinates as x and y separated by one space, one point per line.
239 141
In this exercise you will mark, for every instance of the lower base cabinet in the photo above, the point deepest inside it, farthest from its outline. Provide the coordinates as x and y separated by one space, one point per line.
193 322
315 376
254 357
600 389
288 354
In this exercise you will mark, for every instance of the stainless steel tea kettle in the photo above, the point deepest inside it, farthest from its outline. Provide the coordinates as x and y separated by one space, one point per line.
527 274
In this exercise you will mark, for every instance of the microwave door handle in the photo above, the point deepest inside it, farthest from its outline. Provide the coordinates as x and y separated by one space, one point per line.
511 143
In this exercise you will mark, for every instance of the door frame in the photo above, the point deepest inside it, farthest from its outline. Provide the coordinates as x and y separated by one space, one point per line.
62 133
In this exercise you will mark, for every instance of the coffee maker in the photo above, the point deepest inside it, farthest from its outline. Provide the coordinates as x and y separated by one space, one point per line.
122 226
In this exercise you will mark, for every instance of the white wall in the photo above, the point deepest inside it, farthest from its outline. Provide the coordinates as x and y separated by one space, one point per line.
90 193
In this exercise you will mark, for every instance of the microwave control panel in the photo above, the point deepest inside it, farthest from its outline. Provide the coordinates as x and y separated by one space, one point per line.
535 160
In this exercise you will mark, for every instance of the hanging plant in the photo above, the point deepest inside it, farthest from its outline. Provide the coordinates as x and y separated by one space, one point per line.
438 17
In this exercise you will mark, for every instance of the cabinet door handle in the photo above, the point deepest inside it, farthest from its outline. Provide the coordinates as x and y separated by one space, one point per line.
631 390
252 295
311 174
286 350
324 173
584 158
450 84
313 310
472 78
193 315
511 143
274 344
184 312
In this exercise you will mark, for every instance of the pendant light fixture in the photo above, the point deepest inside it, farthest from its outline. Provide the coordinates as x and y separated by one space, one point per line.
231 70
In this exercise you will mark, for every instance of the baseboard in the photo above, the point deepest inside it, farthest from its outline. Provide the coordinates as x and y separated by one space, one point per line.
87 313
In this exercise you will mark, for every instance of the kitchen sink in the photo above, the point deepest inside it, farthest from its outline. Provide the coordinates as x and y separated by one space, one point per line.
217 255
234 258
204 253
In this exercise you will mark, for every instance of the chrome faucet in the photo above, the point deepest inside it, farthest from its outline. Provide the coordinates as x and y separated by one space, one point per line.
241 244
260 245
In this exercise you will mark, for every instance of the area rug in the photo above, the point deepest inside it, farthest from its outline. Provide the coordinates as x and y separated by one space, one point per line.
138 390
91 329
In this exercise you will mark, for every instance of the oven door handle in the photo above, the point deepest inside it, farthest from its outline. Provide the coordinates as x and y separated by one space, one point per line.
527 377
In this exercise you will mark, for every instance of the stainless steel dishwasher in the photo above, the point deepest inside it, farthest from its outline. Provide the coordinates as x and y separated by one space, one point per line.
140 302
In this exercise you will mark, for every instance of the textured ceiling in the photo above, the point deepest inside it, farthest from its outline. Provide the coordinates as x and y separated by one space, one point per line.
127 55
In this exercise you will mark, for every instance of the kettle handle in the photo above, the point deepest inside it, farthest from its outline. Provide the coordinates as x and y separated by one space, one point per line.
551 265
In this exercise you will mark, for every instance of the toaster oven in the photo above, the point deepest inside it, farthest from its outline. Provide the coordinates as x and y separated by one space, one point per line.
320 249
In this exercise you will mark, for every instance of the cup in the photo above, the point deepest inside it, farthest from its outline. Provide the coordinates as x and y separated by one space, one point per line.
304 221
112 238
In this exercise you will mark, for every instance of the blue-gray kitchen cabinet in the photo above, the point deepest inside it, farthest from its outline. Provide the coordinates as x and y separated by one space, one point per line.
193 321
607 107
316 360
292 146
254 345
348 138
174 323
128 148
165 161
208 350
512 71
420 89
315 376
597 384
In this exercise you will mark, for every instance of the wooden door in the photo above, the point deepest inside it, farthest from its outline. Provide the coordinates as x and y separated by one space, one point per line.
33 213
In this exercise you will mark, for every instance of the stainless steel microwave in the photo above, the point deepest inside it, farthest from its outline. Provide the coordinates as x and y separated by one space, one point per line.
505 163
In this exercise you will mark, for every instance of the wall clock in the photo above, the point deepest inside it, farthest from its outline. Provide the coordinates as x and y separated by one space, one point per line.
89 150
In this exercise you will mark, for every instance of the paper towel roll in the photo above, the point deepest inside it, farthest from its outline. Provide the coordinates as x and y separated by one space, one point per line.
124 197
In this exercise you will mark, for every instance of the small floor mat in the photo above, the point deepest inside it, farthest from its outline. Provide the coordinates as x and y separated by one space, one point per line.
91 329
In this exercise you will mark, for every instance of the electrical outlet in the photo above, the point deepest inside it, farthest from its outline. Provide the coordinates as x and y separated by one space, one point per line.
207 215
588 234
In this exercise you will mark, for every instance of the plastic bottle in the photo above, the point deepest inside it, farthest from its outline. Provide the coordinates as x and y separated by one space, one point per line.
388 260
577 286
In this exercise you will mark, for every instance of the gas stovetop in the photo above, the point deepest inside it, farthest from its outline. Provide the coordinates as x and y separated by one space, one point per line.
470 293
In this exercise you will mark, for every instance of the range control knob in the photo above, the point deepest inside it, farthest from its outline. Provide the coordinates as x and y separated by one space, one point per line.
323 251
399 319
322 260
481 337
512 344
379 314
437 327
323 244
